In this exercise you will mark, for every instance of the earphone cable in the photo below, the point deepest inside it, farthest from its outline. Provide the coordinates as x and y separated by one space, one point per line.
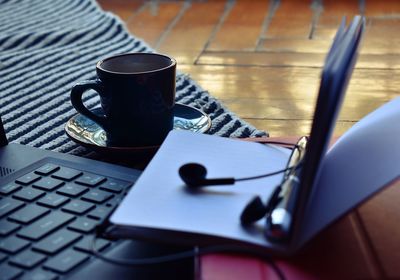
289 168
196 252
269 174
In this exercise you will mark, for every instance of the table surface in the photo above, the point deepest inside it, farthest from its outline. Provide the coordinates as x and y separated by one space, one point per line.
263 60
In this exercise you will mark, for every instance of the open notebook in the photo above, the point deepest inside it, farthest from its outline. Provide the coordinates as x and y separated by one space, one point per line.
161 207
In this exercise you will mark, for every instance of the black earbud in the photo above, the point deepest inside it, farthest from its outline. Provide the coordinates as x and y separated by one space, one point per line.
253 211
194 175
256 209
277 226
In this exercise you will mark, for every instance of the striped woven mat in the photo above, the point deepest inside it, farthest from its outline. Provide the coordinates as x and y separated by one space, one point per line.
47 46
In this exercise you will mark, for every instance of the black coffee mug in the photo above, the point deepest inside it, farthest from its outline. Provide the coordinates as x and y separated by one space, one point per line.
137 95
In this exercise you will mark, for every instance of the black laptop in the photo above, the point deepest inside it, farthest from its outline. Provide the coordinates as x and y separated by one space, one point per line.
50 204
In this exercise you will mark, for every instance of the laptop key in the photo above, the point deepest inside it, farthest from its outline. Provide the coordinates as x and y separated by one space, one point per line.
7 205
48 184
78 207
66 261
72 190
27 259
114 201
47 169
56 242
65 173
83 225
28 194
13 244
86 244
100 212
97 196
89 179
7 227
45 225
40 274
9 272
28 214
9 188
115 186
28 179
53 200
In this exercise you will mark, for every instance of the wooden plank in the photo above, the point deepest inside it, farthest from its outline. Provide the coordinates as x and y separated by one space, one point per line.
283 98
187 39
122 8
331 15
326 26
281 128
295 109
386 9
294 59
372 84
347 8
378 61
153 20
292 19
242 26
296 45
256 83
262 59
289 28
290 83
380 39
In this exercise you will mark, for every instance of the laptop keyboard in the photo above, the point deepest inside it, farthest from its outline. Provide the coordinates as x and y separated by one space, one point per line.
47 220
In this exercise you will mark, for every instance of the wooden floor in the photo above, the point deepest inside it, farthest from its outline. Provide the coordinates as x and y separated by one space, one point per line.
263 59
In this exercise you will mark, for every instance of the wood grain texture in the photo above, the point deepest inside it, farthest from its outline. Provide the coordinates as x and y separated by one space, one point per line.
263 60
152 20
197 29
124 9
240 30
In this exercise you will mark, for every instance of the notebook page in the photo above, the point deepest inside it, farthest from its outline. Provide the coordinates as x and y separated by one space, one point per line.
160 199
363 161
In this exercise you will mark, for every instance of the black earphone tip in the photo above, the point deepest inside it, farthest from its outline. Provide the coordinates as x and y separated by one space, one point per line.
253 211
193 174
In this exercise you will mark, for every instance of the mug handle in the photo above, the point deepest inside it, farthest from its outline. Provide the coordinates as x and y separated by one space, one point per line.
76 99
